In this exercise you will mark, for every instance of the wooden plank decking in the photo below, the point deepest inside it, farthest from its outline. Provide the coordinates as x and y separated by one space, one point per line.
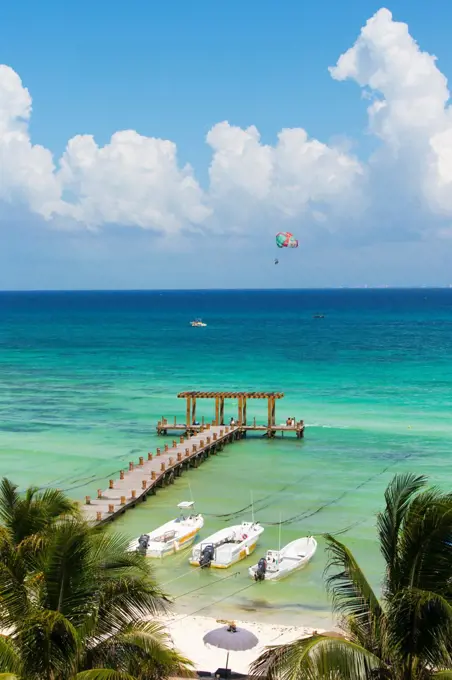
197 443
159 469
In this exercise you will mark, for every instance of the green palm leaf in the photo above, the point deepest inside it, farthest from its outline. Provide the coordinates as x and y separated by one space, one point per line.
398 496
140 645
420 628
103 674
9 658
425 544
49 645
353 597
31 513
315 658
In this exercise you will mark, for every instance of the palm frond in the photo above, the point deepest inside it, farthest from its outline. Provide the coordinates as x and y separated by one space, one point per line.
315 658
352 596
142 645
398 496
33 511
103 674
125 601
70 583
49 644
110 552
420 628
425 544
57 504
13 589
9 658
8 501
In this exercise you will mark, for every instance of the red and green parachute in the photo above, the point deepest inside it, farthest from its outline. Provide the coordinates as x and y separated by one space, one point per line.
285 239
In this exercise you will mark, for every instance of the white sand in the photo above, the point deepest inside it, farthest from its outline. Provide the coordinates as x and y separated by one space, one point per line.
187 633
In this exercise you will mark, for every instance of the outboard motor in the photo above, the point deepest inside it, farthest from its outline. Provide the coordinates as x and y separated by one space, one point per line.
261 569
143 544
207 555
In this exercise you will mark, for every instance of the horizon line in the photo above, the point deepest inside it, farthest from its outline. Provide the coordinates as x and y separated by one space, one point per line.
221 290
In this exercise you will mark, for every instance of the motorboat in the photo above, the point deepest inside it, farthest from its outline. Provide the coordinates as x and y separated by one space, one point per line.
173 536
227 546
198 323
278 564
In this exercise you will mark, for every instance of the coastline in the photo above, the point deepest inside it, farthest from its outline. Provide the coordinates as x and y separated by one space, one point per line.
187 634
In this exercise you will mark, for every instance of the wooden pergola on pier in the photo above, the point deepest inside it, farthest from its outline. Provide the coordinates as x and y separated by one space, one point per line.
270 428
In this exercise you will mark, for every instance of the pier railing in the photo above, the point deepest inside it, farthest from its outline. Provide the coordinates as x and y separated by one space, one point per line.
197 441
159 469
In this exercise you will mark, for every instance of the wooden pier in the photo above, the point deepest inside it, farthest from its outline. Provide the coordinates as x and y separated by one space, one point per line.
158 470
269 429
196 444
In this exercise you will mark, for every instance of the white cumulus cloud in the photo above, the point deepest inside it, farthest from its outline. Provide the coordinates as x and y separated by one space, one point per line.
138 181
284 180
27 173
132 181
409 112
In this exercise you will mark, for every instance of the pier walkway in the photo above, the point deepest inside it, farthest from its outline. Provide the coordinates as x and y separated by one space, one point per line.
198 442
158 470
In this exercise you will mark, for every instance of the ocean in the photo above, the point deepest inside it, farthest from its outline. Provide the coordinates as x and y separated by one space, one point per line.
85 376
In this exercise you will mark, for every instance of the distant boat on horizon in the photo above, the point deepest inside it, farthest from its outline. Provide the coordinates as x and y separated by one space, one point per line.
198 323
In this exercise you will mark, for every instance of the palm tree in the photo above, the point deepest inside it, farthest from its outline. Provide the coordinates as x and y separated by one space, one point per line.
33 512
407 633
77 604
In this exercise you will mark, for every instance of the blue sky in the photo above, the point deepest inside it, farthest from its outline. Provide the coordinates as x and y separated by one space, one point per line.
173 71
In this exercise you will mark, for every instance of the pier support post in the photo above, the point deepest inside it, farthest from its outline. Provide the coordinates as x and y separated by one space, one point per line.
221 410
217 410
188 413
193 410
269 416
244 411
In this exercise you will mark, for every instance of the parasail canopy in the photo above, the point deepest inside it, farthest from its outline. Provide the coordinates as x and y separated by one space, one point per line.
286 240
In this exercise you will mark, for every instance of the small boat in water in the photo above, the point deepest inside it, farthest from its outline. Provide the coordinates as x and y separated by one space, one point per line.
198 323
278 564
173 536
227 546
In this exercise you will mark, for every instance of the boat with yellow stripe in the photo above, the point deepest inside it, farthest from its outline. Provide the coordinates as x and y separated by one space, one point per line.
227 546
171 537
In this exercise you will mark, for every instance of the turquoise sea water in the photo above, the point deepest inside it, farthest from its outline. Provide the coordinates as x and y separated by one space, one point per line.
85 376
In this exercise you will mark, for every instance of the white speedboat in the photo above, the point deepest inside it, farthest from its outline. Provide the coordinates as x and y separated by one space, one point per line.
198 323
173 536
278 564
227 546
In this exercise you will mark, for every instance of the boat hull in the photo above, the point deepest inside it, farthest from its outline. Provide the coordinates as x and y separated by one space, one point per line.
174 547
241 555
230 545
289 560
171 538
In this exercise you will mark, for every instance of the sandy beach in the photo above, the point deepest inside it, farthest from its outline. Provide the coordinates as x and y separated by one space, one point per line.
187 633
